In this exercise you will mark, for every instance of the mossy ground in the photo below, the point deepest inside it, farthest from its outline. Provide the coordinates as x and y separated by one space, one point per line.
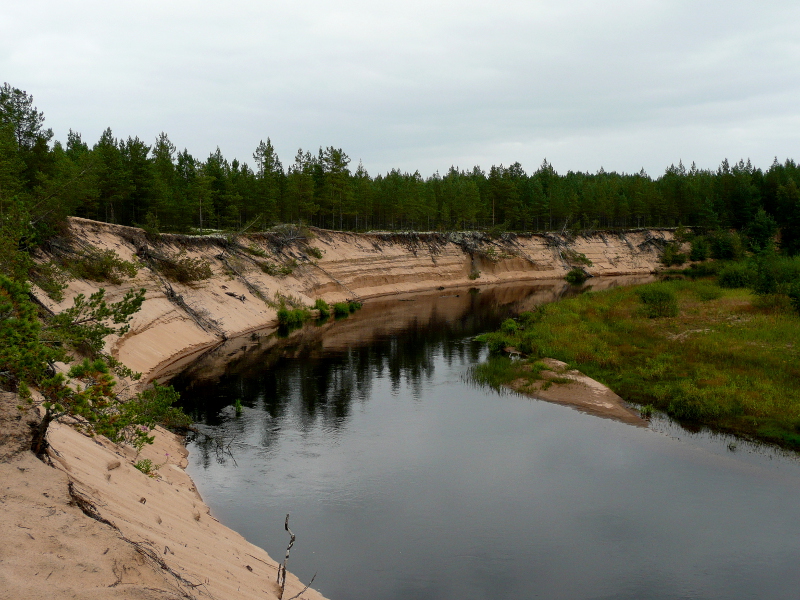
725 360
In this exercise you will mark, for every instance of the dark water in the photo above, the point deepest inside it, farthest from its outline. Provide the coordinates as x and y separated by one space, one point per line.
404 480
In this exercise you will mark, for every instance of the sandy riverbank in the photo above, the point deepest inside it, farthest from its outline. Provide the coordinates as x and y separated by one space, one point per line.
154 537
570 387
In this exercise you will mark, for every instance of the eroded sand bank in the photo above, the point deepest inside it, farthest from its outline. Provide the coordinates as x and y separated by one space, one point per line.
155 538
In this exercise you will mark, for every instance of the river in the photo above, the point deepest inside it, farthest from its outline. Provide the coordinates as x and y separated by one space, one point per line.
405 480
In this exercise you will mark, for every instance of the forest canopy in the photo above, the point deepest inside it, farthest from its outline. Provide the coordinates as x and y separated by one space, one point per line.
154 185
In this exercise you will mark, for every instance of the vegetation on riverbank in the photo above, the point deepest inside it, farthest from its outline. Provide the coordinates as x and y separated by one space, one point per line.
703 354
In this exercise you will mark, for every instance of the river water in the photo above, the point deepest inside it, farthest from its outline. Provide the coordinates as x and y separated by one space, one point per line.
404 480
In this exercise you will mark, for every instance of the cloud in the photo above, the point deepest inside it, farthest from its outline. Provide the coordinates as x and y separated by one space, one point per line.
422 85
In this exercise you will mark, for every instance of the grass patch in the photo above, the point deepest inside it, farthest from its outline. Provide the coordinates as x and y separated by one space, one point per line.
716 357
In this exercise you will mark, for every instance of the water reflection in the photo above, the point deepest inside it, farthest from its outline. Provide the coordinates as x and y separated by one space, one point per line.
327 367
405 482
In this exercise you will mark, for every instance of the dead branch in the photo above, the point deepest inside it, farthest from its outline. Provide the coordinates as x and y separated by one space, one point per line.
305 588
282 568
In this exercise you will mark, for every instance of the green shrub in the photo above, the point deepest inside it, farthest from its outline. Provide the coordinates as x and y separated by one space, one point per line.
255 250
288 267
576 276
101 265
760 231
314 251
509 326
496 342
269 268
794 296
354 305
726 245
23 357
700 249
131 421
341 309
774 303
671 257
573 257
707 269
776 274
323 308
181 268
530 317
146 466
706 291
292 318
737 275
659 301
474 274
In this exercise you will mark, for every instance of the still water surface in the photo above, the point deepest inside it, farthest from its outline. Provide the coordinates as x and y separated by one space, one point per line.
406 481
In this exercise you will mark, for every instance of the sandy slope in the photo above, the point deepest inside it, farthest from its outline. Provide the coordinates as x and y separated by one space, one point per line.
155 538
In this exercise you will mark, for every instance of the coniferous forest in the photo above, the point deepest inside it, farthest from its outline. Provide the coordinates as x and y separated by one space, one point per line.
156 185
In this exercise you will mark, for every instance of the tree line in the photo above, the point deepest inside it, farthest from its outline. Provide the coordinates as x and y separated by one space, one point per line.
131 182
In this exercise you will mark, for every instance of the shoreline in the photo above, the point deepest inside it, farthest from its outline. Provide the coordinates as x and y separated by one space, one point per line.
148 513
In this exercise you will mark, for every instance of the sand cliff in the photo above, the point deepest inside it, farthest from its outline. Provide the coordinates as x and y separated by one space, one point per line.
179 321
152 537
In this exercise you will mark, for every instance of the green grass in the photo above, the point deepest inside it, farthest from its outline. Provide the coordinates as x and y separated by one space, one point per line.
719 358
292 318
323 308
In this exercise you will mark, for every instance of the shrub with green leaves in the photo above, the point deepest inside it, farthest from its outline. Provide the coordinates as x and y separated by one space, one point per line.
323 308
101 265
659 300
794 296
707 269
509 326
707 291
181 268
497 342
85 325
292 317
150 407
700 249
671 257
760 231
24 358
776 274
146 466
726 245
737 275
341 309
87 389
576 276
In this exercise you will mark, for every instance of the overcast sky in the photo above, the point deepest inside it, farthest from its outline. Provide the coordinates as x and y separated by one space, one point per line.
421 85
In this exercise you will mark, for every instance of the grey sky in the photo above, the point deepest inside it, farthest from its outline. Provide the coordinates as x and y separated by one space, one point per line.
421 84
